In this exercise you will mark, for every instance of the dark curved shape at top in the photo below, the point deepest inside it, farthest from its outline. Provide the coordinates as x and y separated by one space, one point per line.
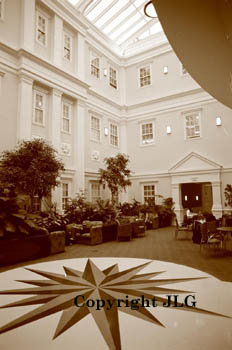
200 33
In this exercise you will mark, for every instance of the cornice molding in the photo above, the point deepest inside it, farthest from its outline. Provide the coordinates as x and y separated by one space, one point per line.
69 13
156 176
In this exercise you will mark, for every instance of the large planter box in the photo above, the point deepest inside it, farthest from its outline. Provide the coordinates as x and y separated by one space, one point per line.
109 232
20 249
138 228
57 240
124 232
93 237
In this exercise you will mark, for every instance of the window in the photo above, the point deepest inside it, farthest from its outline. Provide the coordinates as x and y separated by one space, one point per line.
147 133
36 204
95 191
113 135
145 76
113 78
148 192
41 29
66 117
65 195
39 108
192 125
2 9
67 47
95 66
95 128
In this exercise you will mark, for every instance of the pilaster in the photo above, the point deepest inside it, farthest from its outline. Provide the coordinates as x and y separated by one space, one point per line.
58 41
217 200
25 107
79 145
28 22
80 62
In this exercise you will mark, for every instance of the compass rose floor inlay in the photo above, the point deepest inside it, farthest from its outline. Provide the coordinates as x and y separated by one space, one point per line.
113 303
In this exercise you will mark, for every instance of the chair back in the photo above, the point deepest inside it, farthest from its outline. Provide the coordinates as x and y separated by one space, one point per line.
204 232
211 227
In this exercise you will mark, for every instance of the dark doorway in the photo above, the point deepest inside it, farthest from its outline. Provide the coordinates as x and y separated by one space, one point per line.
197 196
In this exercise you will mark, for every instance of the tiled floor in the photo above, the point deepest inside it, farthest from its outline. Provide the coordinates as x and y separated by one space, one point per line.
157 245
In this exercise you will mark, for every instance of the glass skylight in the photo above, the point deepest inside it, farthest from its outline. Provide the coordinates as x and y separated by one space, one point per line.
123 21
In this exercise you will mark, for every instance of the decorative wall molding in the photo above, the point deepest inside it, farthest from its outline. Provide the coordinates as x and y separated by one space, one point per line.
65 149
95 155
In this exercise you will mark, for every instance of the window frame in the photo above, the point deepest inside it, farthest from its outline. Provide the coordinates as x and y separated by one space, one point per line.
40 14
94 56
141 133
139 75
43 95
143 189
65 33
117 126
66 197
69 104
92 115
92 183
187 114
2 13
111 68
36 204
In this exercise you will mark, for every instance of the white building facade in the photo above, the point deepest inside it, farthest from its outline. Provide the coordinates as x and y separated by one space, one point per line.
62 80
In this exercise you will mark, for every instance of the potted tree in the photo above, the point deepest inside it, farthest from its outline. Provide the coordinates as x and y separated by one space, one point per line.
116 177
31 169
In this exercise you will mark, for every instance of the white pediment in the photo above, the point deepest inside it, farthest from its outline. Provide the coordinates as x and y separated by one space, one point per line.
194 162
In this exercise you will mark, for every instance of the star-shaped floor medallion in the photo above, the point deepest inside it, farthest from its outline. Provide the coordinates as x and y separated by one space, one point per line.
57 293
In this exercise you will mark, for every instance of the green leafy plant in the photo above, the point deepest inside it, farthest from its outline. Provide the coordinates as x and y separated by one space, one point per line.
116 175
105 211
32 168
79 209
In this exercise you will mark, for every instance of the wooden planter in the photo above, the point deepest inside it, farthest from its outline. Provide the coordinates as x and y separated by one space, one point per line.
138 228
26 248
57 240
124 232
109 232
93 237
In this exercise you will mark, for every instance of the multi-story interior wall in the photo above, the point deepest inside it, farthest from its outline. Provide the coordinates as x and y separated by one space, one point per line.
61 81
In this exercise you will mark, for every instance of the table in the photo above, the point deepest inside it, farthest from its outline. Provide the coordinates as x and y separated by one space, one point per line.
226 230
180 329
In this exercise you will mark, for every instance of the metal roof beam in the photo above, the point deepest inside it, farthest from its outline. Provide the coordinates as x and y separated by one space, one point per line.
92 7
126 19
81 6
124 8
138 32
104 11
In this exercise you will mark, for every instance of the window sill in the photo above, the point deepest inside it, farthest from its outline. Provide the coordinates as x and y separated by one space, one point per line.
193 138
147 144
38 124
145 86
96 141
66 132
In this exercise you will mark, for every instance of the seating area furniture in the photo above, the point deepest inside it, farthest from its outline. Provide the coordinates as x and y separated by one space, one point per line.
186 229
57 240
211 238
